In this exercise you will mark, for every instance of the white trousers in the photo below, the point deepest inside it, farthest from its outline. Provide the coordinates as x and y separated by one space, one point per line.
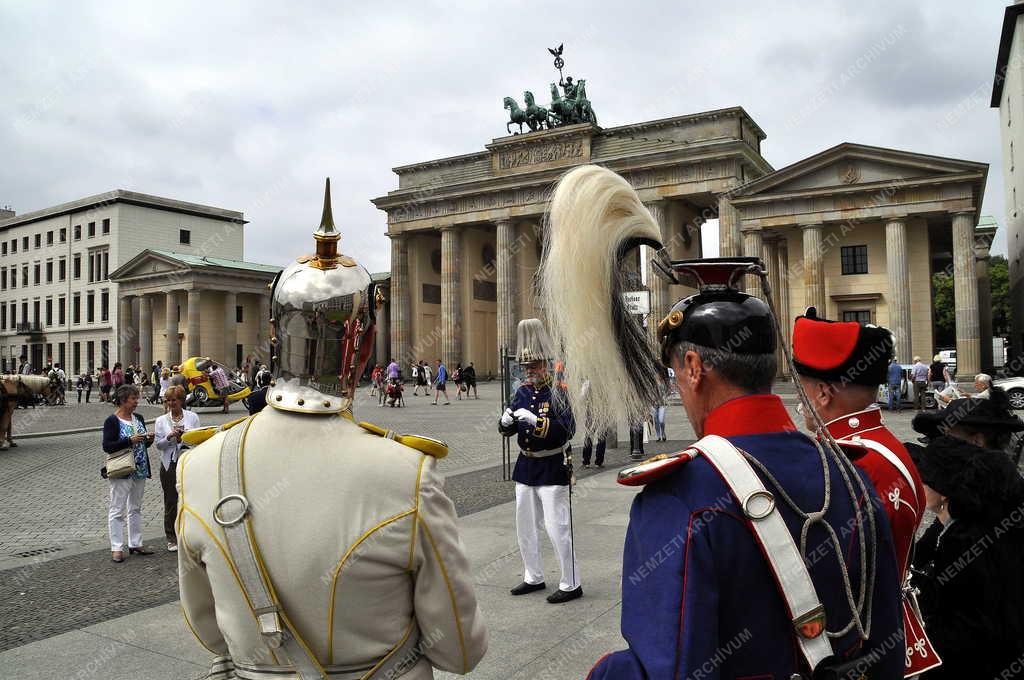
125 494
546 506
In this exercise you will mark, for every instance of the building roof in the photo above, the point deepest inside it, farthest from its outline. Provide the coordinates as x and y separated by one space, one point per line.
126 197
206 261
1003 56
986 222
380 276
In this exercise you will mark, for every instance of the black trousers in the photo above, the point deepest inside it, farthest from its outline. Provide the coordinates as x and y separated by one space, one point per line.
588 445
168 480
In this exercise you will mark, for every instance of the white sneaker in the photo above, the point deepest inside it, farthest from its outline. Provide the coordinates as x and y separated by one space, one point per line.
172 547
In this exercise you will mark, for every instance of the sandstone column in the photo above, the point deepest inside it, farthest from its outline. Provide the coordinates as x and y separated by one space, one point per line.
729 237
814 268
965 296
753 245
194 302
899 287
780 292
505 242
451 308
230 329
146 331
658 286
263 332
126 332
173 353
984 304
400 314
380 341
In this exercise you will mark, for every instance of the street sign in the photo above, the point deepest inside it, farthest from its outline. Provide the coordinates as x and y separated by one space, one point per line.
637 301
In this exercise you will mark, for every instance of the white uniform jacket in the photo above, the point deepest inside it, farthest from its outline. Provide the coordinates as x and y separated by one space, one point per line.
358 540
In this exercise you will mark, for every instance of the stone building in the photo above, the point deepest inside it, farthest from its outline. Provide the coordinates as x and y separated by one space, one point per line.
855 230
1008 97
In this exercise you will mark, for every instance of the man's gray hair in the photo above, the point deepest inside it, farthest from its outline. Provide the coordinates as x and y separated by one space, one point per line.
751 372
983 378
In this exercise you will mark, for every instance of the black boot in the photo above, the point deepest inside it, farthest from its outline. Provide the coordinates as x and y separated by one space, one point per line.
524 588
560 596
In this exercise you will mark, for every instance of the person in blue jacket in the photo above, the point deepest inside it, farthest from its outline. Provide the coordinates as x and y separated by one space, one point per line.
541 420
700 598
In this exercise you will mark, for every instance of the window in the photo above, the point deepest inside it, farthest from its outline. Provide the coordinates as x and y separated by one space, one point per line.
62 269
76 309
14 277
63 234
3 317
60 311
90 315
49 352
106 225
92 269
37 240
60 355
24 276
49 238
105 352
238 313
78 232
90 350
92 229
36 269
104 306
3 280
14 245
106 265
24 312
854 259
35 312
24 242
858 315
49 311
184 236
3 248
49 271
76 266
14 315
76 356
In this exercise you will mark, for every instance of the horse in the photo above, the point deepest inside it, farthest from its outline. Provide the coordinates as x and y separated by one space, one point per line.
14 388
536 116
584 112
516 115
561 110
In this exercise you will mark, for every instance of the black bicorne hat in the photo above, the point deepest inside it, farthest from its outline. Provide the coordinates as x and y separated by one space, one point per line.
719 316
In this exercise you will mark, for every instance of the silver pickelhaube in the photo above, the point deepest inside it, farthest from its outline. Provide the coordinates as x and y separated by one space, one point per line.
323 315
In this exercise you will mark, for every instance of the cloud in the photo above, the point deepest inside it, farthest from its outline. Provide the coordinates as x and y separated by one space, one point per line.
248 105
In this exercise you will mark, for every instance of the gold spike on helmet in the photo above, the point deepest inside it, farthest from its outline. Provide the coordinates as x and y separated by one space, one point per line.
323 314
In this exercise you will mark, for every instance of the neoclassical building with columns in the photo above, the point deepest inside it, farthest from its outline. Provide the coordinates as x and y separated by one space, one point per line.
175 305
855 230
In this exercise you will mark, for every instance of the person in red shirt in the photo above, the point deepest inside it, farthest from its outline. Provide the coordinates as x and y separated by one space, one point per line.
841 365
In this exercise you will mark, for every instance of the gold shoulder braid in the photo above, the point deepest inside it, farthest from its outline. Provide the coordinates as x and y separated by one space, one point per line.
432 447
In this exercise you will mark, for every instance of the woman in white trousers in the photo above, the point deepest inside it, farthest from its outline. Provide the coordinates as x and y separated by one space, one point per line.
125 429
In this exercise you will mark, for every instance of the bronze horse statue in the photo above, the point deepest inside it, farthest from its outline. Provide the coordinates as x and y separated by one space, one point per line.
13 389
516 115
536 116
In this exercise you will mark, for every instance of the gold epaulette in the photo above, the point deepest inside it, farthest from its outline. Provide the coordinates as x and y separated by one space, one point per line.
432 447
199 435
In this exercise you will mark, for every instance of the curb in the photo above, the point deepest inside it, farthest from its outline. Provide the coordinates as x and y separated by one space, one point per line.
80 430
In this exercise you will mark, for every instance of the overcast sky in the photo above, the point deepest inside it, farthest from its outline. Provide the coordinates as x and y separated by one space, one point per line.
248 105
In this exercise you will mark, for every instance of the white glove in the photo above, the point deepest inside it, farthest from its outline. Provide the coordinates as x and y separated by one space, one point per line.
526 415
506 418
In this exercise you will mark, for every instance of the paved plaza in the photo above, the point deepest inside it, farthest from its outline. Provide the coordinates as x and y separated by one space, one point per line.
64 617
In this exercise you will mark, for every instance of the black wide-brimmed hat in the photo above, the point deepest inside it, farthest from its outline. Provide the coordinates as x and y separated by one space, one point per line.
980 483
993 413
841 351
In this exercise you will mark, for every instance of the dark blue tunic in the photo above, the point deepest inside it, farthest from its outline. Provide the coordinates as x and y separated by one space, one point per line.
698 598
555 427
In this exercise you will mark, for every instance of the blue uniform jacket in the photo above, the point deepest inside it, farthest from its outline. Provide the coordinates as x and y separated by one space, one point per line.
555 427
698 598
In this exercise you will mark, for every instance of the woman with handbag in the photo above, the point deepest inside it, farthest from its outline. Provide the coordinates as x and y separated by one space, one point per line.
125 440
169 428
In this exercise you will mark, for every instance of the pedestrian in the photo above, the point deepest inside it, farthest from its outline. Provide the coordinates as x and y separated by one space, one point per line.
79 386
541 421
219 380
169 428
440 383
919 374
116 376
989 423
894 381
457 379
375 380
105 383
419 380
393 370
469 380
126 429
702 568
968 563
165 381
25 368
982 385
396 597
588 447
62 382
263 376
427 373
659 408
840 366
938 374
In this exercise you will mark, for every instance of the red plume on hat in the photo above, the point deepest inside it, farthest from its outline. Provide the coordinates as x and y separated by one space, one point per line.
841 351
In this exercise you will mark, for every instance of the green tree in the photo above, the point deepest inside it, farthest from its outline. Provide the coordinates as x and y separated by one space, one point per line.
999 276
945 313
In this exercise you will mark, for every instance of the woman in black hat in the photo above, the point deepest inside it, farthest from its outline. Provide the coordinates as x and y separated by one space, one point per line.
968 563
988 423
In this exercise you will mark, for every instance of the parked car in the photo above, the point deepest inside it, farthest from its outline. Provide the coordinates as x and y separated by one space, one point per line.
906 390
1014 390
948 357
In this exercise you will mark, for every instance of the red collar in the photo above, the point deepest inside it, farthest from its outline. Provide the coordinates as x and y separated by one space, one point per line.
752 414
852 423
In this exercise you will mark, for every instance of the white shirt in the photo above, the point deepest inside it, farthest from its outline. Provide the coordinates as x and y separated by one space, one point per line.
170 448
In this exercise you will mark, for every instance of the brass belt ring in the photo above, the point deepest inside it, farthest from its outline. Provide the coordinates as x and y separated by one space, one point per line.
231 522
761 493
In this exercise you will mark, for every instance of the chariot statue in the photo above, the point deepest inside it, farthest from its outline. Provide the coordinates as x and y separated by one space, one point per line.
571 107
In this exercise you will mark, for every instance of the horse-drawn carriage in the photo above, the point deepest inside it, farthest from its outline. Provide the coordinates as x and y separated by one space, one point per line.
17 389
